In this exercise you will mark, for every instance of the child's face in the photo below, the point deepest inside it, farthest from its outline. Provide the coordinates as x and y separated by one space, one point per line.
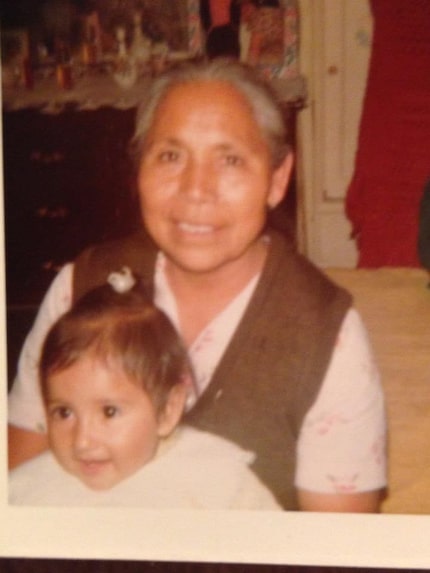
102 427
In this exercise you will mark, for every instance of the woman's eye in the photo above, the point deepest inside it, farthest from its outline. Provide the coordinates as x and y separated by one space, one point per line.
233 160
110 411
168 156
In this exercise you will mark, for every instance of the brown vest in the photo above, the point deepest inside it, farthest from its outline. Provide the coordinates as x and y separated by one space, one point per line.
272 370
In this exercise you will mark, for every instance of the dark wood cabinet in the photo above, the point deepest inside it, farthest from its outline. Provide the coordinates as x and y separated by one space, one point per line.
68 183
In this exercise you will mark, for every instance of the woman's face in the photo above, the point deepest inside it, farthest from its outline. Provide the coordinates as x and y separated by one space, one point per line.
205 179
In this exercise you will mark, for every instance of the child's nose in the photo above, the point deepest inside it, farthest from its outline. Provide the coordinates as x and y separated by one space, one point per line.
85 436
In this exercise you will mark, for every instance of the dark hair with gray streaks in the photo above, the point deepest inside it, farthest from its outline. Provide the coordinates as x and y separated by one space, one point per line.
257 92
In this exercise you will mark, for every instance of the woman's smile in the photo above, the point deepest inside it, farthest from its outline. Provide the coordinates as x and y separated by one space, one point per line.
195 228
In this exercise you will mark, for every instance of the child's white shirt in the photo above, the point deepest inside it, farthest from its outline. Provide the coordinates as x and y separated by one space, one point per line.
192 470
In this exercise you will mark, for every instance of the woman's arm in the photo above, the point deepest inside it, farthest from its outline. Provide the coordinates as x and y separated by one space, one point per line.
341 462
26 414
23 445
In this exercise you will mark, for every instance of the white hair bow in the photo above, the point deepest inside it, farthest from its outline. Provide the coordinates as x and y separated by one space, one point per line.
122 281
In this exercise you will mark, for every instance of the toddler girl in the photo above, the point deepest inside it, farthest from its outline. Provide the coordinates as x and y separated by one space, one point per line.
114 378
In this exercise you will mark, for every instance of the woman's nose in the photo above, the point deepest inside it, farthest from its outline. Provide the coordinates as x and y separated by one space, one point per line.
198 181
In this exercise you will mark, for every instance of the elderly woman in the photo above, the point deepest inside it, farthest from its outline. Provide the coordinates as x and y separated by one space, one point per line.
281 359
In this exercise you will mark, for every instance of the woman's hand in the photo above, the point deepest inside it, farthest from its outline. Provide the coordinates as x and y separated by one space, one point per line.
364 502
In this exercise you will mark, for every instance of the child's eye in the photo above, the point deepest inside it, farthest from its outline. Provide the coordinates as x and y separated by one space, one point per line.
110 411
61 412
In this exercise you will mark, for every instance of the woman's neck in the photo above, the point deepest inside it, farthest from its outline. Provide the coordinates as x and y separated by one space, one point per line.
200 297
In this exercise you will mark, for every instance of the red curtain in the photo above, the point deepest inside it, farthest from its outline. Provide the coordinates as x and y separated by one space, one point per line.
393 155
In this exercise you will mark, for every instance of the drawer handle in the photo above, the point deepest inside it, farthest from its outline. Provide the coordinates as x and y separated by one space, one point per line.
47 158
46 213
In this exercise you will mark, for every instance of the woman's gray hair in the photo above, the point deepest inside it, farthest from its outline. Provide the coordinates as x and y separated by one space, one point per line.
257 92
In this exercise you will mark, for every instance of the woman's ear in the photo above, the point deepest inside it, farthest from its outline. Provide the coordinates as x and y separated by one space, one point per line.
279 183
171 414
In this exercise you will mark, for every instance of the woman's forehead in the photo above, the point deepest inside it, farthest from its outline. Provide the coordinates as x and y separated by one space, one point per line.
214 96
205 105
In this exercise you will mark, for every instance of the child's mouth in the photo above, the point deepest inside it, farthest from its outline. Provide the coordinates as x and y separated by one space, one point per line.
92 467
